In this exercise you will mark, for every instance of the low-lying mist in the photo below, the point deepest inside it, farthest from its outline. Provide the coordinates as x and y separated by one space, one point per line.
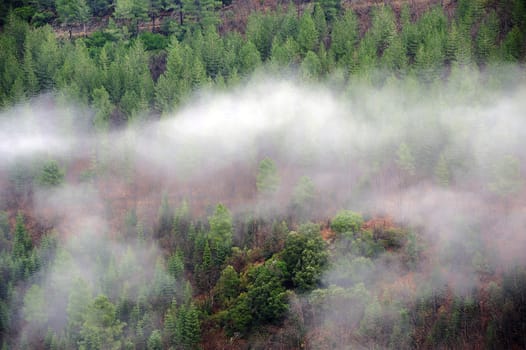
444 160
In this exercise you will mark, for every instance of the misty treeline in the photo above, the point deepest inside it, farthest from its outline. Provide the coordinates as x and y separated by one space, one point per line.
124 75
160 195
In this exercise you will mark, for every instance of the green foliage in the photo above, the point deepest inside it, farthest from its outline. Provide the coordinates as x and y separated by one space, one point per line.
172 84
164 216
305 257
318 16
114 74
260 30
73 11
131 9
228 286
286 53
153 41
238 318
487 38
211 49
371 323
101 329
347 221
303 197
344 36
383 27
22 244
103 108
209 16
513 46
267 297
155 341
249 58
405 159
79 300
331 8
307 35
221 229
50 175
311 66
175 265
35 310
268 180
188 326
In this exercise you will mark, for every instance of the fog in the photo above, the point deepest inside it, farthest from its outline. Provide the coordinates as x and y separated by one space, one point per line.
346 137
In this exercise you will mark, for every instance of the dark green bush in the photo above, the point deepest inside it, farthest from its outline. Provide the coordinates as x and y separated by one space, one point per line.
153 41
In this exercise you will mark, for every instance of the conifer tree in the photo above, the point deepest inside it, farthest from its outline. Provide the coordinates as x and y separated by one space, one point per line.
267 181
344 35
307 34
22 244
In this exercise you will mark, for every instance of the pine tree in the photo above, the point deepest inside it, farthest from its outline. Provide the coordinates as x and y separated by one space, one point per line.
22 244
452 44
101 328
176 265
285 54
30 78
249 58
289 24
78 302
191 328
205 268
209 14
34 308
51 175
169 88
268 180
320 22
487 38
170 323
228 286
307 34
103 108
311 66
221 227
133 11
155 341
331 8
303 198
383 28
344 36
73 11
164 217
212 52
260 30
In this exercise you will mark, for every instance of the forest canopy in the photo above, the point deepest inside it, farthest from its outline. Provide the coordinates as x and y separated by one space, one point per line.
320 175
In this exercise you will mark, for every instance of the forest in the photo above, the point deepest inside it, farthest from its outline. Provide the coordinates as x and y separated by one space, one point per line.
241 174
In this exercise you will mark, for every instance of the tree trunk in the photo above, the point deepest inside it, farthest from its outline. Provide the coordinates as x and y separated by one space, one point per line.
180 13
